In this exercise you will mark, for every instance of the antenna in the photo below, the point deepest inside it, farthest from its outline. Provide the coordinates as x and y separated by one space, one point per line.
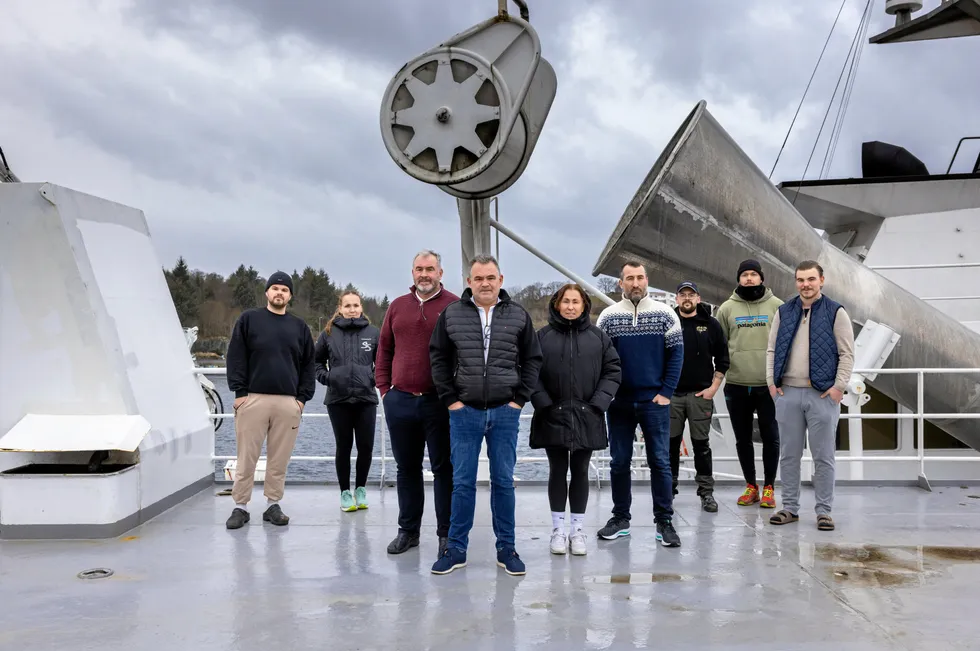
902 10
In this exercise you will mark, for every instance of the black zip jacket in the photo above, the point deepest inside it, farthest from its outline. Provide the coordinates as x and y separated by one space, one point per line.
578 380
345 361
459 371
705 350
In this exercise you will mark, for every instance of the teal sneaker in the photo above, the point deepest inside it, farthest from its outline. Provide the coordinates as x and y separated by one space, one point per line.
347 501
361 493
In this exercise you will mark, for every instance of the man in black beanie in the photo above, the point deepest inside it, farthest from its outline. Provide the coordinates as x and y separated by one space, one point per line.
270 367
746 318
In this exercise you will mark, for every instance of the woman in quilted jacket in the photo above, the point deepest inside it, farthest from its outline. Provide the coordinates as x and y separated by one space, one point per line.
578 379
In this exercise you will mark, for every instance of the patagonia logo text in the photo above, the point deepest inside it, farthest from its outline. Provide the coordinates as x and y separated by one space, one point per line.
758 321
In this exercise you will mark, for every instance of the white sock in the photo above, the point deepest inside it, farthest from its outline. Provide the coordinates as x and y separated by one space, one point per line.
558 521
243 507
578 521
271 502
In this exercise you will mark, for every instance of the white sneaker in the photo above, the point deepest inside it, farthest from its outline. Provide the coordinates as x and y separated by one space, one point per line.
559 542
578 543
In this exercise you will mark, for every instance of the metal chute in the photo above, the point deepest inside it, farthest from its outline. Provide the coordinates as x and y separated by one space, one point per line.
705 206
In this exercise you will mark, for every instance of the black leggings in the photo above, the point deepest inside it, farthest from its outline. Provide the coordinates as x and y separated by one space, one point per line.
352 421
576 491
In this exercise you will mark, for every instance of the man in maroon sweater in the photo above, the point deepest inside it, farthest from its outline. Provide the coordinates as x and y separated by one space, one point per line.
416 417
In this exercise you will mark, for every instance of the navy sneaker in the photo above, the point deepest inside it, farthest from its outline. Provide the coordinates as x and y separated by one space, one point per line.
511 562
667 535
451 559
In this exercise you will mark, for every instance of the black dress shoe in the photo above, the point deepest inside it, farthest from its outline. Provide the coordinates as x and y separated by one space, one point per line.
403 542
275 515
443 544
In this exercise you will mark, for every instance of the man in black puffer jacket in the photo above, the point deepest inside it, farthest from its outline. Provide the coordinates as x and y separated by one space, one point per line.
485 360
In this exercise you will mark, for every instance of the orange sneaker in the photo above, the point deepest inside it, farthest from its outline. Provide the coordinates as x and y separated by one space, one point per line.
768 500
750 496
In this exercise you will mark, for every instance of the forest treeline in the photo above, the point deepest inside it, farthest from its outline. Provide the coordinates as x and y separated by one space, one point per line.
212 302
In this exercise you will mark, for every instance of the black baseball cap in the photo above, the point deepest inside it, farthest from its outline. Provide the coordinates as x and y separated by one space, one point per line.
686 284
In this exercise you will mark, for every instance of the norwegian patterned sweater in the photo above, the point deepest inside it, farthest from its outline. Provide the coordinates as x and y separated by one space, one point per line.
650 343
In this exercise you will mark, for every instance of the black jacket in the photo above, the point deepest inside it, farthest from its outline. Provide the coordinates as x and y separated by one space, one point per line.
705 350
579 378
456 354
345 361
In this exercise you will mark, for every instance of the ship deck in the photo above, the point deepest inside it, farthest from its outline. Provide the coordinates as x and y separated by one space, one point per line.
898 573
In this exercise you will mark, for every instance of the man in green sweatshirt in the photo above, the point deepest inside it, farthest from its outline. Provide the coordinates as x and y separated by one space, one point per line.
746 318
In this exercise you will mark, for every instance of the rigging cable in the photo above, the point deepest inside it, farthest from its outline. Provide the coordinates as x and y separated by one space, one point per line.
826 114
848 89
805 90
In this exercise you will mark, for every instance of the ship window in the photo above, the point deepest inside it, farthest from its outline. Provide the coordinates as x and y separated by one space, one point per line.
937 439
878 433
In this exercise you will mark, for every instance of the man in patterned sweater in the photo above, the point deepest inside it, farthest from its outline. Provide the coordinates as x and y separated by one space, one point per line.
648 337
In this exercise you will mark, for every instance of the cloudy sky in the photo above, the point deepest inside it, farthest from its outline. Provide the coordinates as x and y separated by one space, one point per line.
247 130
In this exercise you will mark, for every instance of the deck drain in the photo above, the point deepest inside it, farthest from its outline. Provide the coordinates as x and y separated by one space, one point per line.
95 573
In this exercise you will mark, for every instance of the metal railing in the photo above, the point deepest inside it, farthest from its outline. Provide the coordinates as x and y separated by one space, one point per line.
919 416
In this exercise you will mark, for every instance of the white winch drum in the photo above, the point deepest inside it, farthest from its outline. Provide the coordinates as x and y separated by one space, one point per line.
441 117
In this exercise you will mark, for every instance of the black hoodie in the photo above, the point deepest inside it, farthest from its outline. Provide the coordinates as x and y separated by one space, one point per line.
578 380
705 350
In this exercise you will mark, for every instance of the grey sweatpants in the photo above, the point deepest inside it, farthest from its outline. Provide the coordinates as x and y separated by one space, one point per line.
803 415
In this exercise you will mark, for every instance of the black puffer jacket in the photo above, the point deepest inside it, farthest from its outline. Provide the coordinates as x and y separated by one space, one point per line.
345 361
579 378
456 354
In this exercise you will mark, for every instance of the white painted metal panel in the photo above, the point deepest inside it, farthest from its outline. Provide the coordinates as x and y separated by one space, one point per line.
76 433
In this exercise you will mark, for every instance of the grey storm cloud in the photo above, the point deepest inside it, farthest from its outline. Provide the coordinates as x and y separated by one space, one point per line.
232 115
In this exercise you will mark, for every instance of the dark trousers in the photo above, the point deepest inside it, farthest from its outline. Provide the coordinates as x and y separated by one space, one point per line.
654 421
560 489
742 402
687 408
353 422
414 424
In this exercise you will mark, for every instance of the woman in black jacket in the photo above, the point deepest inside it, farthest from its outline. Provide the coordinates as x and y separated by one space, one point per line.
578 380
344 355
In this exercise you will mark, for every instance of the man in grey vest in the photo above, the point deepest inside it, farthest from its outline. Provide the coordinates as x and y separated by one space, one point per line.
808 365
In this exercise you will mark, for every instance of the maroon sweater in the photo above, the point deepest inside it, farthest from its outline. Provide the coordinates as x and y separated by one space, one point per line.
403 347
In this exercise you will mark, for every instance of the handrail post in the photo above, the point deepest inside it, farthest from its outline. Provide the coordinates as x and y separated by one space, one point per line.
921 433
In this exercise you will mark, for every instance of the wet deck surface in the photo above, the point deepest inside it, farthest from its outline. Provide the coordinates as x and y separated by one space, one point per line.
900 572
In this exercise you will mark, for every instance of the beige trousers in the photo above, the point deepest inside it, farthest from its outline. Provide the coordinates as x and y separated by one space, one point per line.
259 417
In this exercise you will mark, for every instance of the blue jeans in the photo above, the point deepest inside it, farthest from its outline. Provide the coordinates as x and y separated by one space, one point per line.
467 428
654 422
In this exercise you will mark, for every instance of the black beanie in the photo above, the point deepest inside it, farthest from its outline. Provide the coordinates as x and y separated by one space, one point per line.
280 278
749 265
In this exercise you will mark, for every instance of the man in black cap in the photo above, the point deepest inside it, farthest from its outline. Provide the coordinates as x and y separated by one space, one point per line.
746 318
270 367
705 364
